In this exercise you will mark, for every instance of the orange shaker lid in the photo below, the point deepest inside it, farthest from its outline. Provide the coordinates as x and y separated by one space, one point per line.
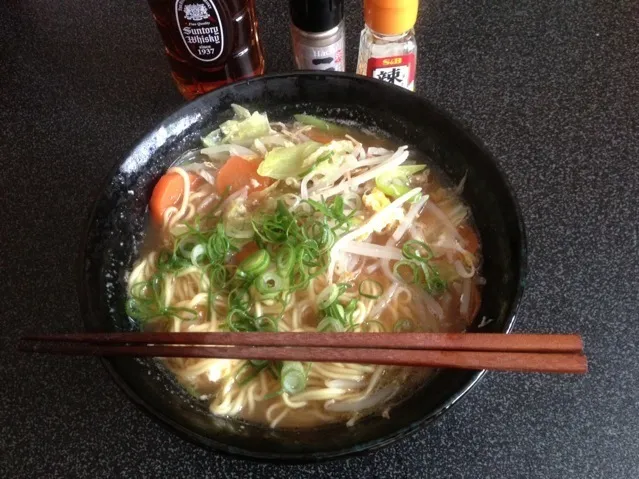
390 17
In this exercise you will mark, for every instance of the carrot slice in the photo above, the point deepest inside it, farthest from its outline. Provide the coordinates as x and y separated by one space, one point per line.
247 250
168 192
475 302
470 236
238 173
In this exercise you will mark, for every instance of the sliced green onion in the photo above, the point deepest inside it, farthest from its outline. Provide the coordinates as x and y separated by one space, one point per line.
255 264
185 246
197 253
247 373
417 250
279 227
293 377
300 279
237 320
328 296
218 245
285 260
147 302
330 324
269 283
171 262
320 233
403 325
218 276
138 290
351 306
320 124
436 286
163 258
434 283
394 182
429 271
135 310
285 299
337 311
266 324
335 211
308 253
239 298
157 286
375 286
349 310
321 207
406 271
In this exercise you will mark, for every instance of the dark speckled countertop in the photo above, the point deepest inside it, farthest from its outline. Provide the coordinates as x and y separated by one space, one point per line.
552 87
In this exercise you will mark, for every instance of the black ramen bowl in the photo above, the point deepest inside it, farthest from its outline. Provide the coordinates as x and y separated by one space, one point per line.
118 221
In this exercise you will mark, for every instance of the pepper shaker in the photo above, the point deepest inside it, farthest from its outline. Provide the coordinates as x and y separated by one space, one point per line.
317 30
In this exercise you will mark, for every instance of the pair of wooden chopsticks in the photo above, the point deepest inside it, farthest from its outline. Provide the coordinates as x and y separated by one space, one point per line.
558 353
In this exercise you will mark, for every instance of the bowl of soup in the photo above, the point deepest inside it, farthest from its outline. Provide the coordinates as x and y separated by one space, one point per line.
301 203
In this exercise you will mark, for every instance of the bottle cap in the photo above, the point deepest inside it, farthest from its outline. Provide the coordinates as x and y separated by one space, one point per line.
390 17
316 16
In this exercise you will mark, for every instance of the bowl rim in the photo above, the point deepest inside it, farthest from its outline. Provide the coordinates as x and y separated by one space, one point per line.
313 457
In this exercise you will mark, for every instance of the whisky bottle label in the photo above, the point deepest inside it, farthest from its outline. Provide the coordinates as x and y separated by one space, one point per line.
201 29
397 70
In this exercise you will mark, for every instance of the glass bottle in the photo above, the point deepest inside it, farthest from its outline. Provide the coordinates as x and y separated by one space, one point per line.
388 49
209 43
317 31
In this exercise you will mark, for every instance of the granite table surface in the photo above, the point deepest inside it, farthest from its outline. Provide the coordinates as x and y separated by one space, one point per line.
551 87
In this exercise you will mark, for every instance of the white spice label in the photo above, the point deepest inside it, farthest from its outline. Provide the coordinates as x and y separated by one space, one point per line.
328 58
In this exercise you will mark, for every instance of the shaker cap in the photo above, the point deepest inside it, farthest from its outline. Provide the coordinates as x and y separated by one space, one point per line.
390 17
316 15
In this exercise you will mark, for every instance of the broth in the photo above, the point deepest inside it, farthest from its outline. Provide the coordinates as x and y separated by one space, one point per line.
345 239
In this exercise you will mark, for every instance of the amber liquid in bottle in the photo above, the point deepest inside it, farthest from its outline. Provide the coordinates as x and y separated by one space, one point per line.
209 43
